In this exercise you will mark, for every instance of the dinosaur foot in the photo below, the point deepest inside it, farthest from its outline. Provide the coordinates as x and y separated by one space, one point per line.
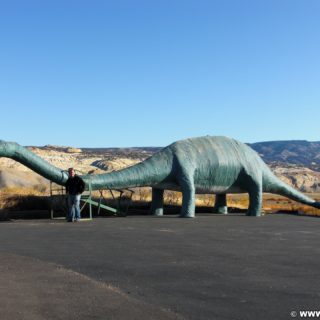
157 212
220 210
254 213
188 215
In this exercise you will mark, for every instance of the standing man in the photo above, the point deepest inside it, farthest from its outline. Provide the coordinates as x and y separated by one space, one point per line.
74 187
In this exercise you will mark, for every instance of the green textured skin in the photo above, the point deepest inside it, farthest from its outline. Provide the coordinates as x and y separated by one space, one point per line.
217 165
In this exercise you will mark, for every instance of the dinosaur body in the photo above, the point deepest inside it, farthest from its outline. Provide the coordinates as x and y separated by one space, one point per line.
217 165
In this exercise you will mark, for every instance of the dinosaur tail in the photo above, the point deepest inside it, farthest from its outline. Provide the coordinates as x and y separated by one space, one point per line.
272 184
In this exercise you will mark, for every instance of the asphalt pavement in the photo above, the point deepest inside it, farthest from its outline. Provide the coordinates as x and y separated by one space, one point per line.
142 267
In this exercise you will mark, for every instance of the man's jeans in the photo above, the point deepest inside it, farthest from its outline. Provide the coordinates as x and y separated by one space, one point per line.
73 207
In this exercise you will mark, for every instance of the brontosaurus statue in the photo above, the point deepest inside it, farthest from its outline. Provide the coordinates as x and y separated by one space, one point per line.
206 165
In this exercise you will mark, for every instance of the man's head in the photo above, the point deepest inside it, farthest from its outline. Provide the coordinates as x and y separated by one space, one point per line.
71 172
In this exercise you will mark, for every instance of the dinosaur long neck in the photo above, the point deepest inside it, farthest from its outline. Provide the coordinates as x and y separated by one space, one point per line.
150 172
29 159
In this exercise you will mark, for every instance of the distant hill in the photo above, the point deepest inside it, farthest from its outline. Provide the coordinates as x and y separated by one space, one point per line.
133 152
298 152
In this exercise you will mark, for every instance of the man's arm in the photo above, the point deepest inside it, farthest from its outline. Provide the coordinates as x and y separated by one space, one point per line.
82 185
67 186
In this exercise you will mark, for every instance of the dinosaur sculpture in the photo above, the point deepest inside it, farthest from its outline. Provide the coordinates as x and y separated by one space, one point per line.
217 165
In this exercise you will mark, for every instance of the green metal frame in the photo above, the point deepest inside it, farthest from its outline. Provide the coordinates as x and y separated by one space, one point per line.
87 200
60 191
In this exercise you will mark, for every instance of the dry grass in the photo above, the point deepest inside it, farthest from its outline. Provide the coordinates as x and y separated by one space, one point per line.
274 203
26 198
21 197
41 190
271 203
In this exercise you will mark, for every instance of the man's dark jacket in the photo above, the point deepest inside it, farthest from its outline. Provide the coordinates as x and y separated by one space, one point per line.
75 185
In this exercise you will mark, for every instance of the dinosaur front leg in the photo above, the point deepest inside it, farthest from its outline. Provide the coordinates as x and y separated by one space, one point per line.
188 196
157 202
255 200
220 205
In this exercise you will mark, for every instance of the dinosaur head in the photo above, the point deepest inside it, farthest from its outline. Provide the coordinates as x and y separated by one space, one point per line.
7 148
2 148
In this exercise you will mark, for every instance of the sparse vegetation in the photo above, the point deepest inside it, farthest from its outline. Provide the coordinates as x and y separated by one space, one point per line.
23 199
38 199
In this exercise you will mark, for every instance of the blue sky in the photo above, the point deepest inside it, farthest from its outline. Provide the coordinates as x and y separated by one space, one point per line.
147 73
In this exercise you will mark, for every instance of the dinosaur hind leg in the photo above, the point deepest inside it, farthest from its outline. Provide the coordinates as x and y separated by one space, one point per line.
220 205
157 202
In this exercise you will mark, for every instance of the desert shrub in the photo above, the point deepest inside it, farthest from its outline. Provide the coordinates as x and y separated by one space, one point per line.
142 194
172 197
206 200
